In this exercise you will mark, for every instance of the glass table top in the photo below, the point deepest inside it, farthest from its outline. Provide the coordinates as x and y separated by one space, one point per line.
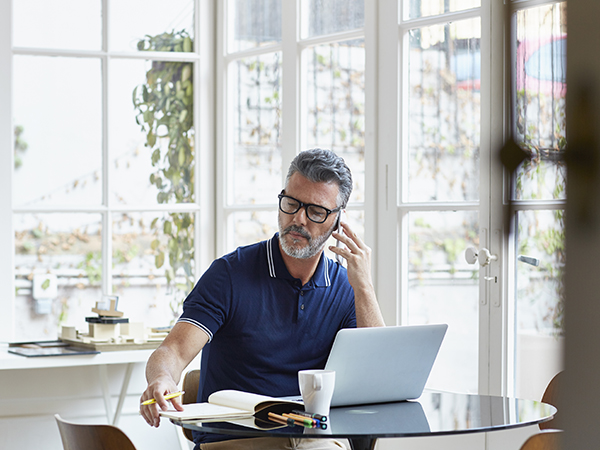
434 413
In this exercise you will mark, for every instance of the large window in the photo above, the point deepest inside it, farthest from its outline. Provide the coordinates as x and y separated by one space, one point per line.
104 190
325 92
138 157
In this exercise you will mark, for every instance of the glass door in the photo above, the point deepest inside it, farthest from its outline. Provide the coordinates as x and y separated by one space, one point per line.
440 201
499 292
538 63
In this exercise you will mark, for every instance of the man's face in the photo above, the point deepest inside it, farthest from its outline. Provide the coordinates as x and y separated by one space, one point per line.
300 237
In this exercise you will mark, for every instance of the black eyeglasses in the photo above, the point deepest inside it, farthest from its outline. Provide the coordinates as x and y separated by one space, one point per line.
315 213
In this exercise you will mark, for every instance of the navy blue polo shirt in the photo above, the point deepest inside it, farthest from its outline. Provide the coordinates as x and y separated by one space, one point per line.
263 325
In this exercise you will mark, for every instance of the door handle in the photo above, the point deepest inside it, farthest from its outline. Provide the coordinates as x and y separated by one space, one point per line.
483 256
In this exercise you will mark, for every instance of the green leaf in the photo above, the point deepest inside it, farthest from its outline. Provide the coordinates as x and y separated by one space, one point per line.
186 72
187 44
182 115
181 156
154 244
159 260
151 139
167 228
46 284
155 156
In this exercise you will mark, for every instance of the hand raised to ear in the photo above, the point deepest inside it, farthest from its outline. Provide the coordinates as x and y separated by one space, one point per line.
358 256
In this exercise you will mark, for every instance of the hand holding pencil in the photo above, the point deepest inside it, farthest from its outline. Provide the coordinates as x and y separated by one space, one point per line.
160 395
166 397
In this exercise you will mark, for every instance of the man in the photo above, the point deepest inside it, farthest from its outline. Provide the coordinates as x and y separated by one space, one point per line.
267 310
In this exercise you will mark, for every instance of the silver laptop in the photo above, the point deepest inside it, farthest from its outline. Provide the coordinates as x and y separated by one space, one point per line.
384 364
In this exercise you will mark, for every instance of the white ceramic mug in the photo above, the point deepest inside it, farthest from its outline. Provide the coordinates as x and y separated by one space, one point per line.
316 387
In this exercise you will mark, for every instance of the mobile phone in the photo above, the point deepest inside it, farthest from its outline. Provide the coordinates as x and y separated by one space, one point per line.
338 243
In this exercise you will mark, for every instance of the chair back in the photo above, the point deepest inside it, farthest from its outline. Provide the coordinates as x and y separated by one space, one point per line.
546 440
77 436
191 382
551 397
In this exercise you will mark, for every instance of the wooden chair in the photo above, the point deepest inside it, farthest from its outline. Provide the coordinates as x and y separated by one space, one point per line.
546 440
191 381
77 436
551 397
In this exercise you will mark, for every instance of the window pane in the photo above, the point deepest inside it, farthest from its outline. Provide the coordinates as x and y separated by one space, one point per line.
420 8
61 118
443 288
539 299
444 112
540 124
153 260
134 20
152 154
66 247
59 24
335 102
255 125
248 227
331 16
253 23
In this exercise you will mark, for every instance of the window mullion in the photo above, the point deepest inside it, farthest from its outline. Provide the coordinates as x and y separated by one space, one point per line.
204 107
389 132
107 214
290 105
371 102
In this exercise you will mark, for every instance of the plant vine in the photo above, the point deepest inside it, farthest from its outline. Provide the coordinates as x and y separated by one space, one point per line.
164 111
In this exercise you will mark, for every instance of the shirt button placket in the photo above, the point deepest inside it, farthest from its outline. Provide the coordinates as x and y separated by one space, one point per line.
301 303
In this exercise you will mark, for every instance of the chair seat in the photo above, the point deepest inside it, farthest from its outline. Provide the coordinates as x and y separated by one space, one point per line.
191 382
77 436
546 440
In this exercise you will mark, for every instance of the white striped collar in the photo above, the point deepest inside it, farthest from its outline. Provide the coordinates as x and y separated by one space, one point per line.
270 260
322 272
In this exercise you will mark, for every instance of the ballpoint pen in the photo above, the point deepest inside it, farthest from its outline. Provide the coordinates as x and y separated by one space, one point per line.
167 397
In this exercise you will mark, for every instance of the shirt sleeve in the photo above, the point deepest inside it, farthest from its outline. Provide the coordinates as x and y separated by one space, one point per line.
209 303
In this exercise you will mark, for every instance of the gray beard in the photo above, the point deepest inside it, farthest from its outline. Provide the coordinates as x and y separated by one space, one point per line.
315 244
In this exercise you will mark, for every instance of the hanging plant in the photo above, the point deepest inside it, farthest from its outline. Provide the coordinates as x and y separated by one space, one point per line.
164 111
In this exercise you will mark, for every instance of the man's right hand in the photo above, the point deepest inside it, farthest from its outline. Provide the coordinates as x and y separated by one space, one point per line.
165 366
157 390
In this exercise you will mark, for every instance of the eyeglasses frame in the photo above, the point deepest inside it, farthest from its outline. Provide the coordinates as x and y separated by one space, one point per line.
306 206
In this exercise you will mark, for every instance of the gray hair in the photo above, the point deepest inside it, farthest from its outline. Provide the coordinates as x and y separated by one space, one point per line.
323 166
